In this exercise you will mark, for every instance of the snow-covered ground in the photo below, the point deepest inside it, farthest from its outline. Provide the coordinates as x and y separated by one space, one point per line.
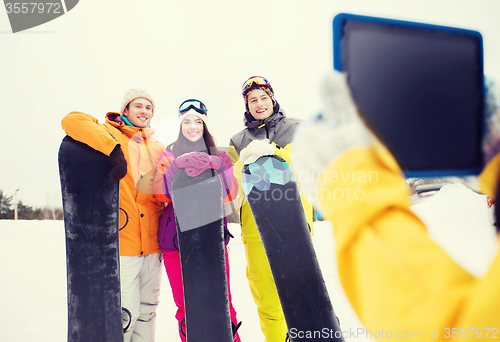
33 269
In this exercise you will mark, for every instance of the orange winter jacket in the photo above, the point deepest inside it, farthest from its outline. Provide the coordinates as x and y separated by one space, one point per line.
139 209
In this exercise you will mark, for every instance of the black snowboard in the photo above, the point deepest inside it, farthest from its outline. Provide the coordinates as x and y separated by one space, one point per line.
200 227
274 200
90 204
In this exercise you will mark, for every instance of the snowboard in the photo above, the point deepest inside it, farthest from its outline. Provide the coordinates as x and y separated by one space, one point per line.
90 206
274 200
200 231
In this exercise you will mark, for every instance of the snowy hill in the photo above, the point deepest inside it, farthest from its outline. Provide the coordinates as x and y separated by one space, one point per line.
33 269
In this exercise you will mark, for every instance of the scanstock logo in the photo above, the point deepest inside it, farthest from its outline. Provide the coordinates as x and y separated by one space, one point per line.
26 14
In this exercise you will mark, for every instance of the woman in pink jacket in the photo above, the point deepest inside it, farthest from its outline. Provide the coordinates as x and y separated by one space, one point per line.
194 149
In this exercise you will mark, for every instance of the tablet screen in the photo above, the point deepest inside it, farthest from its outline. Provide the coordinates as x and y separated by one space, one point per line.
420 87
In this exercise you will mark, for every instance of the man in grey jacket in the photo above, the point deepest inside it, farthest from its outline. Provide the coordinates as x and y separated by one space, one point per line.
268 131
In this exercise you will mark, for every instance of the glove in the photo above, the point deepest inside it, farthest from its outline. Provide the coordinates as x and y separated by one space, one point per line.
197 162
323 138
255 150
119 164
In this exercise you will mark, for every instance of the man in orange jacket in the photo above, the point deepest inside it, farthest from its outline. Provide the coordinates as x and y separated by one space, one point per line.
127 138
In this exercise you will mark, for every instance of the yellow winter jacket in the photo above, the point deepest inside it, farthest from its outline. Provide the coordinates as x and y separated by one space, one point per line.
139 209
397 279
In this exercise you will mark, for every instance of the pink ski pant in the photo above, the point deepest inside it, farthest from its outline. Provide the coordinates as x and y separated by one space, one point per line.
172 262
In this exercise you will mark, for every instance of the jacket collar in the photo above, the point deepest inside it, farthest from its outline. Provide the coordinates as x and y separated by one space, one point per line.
271 121
114 120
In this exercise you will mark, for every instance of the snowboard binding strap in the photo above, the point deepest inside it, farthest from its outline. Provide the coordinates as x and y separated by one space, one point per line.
129 314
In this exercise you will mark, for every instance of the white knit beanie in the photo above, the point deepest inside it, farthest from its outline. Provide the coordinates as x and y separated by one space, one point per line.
133 94
203 117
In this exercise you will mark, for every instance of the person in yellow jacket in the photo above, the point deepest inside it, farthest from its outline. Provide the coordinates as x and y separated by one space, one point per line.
398 280
268 131
127 138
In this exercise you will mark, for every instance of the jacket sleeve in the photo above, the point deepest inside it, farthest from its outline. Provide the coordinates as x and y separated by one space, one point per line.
394 275
227 177
287 154
162 166
168 178
488 178
237 168
284 152
86 129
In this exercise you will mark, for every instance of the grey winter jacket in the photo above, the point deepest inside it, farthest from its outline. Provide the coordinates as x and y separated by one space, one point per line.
277 128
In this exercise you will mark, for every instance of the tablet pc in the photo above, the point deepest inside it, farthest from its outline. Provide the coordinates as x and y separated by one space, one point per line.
420 88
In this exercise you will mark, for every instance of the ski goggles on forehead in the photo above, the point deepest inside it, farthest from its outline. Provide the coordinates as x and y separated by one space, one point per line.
254 81
197 105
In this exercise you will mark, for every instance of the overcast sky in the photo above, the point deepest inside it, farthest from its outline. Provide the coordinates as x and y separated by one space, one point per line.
87 59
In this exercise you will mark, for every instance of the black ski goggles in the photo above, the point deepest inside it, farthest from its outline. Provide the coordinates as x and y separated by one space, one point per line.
197 105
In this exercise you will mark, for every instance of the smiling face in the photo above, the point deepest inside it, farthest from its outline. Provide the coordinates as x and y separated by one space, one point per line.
260 104
192 128
139 112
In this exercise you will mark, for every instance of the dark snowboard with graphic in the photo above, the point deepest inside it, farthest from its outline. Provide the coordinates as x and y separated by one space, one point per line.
274 200
200 227
91 204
